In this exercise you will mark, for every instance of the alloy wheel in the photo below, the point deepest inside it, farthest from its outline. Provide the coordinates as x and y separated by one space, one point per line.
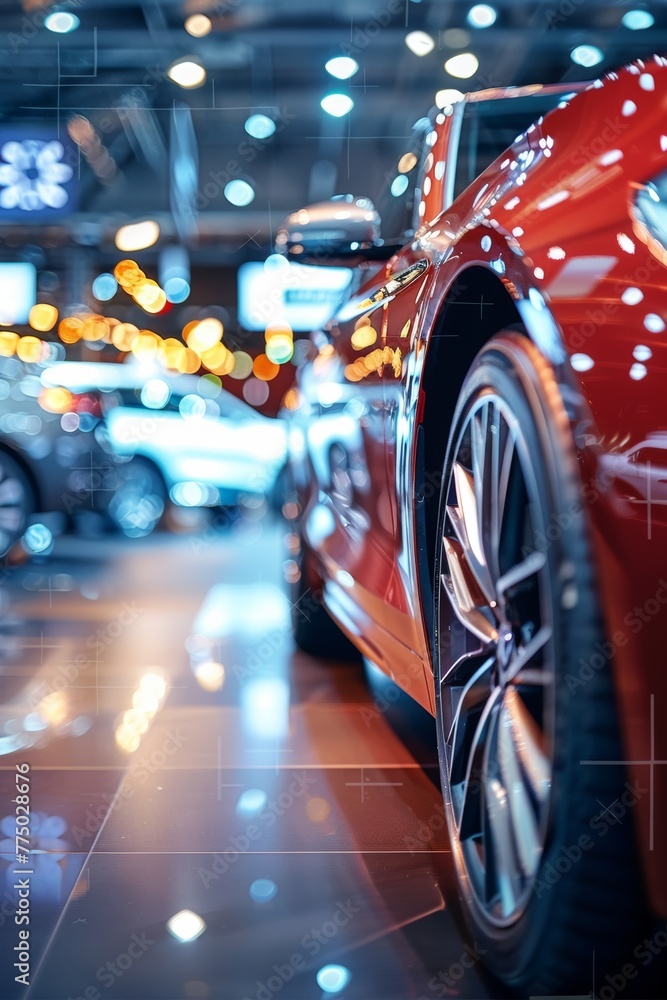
496 650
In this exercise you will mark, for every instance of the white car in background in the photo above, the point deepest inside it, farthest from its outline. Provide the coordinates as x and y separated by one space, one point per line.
190 439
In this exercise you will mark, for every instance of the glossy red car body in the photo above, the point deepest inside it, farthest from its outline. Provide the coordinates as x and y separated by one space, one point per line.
548 235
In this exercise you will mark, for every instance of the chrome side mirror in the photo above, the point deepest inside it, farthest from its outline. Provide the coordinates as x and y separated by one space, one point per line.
330 230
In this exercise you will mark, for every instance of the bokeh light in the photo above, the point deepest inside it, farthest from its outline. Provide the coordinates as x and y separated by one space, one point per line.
260 126
198 25
203 335
105 287
137 236
239 192
255 391
264 369
463 65
337 105
8 343
30 349
242 365
43 317
187 73
342 67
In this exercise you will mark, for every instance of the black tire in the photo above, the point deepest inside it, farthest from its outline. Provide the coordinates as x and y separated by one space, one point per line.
542 903
17 501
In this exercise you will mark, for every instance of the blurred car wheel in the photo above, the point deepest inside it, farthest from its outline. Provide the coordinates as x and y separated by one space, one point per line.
546 877
314 631
139 500
17 501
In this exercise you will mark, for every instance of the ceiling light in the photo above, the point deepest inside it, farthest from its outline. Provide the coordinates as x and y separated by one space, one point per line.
198 25
260 126
481 15
61 22
186 925
637 20
586 55
137 236
419 42
342 67
337 104
187 73
462 66
239 192
447 96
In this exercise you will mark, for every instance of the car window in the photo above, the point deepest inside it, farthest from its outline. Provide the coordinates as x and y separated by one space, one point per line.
490 127
656 456
396 202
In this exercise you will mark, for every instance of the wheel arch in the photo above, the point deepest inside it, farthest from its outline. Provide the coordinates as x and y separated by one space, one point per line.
444 373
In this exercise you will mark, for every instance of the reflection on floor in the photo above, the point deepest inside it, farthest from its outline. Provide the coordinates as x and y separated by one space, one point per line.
214 815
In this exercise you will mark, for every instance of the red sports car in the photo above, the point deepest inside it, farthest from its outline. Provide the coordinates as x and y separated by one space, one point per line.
477 442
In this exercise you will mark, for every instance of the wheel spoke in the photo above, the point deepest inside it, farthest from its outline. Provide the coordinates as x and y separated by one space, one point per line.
464 593
470 807
495 429
480 472
506 450
525 654
521 808
531 565
465 519
460 672
474 693
502 877
499 840
529 742
532 678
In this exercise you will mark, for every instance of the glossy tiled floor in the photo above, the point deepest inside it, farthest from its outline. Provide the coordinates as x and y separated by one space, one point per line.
262 790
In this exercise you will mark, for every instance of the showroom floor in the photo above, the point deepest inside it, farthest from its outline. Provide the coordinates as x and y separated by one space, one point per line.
266 792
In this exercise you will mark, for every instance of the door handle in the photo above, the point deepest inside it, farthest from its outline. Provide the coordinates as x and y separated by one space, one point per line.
396 283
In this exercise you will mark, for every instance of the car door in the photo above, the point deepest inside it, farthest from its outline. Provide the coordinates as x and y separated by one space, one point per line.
352 390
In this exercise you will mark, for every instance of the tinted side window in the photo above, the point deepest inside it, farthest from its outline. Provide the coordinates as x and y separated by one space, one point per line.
656 456
490 127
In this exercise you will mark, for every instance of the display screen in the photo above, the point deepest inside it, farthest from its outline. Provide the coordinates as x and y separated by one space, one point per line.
305 297
18 291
